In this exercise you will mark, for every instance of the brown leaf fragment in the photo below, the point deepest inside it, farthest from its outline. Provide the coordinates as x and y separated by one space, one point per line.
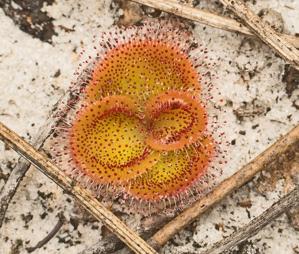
132 12
250 110
245 203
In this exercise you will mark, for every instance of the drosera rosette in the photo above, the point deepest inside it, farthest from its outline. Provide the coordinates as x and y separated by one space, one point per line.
139 126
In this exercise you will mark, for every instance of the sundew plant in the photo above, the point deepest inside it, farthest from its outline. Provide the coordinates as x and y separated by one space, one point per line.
141 128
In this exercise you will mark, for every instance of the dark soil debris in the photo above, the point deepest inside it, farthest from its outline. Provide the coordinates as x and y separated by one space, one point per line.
27 217
43 215
3 176
291 78
75 222
67 239
29 17
245 248
57 73
296 103
15 249
44 195
250 110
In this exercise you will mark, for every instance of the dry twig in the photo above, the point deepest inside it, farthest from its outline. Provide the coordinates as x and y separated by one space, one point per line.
17 174
286 147
14 179
288 144
85 197
264 31
207 18
288 201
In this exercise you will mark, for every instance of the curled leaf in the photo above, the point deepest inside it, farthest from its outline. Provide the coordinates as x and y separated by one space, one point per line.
176 119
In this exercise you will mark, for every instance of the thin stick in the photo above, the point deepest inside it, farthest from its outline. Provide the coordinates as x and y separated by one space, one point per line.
49 236
206 18
252 228
17 174
84 196
284 146
283 150
264 31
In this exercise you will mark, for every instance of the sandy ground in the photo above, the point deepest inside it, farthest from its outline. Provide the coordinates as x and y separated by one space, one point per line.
259 108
